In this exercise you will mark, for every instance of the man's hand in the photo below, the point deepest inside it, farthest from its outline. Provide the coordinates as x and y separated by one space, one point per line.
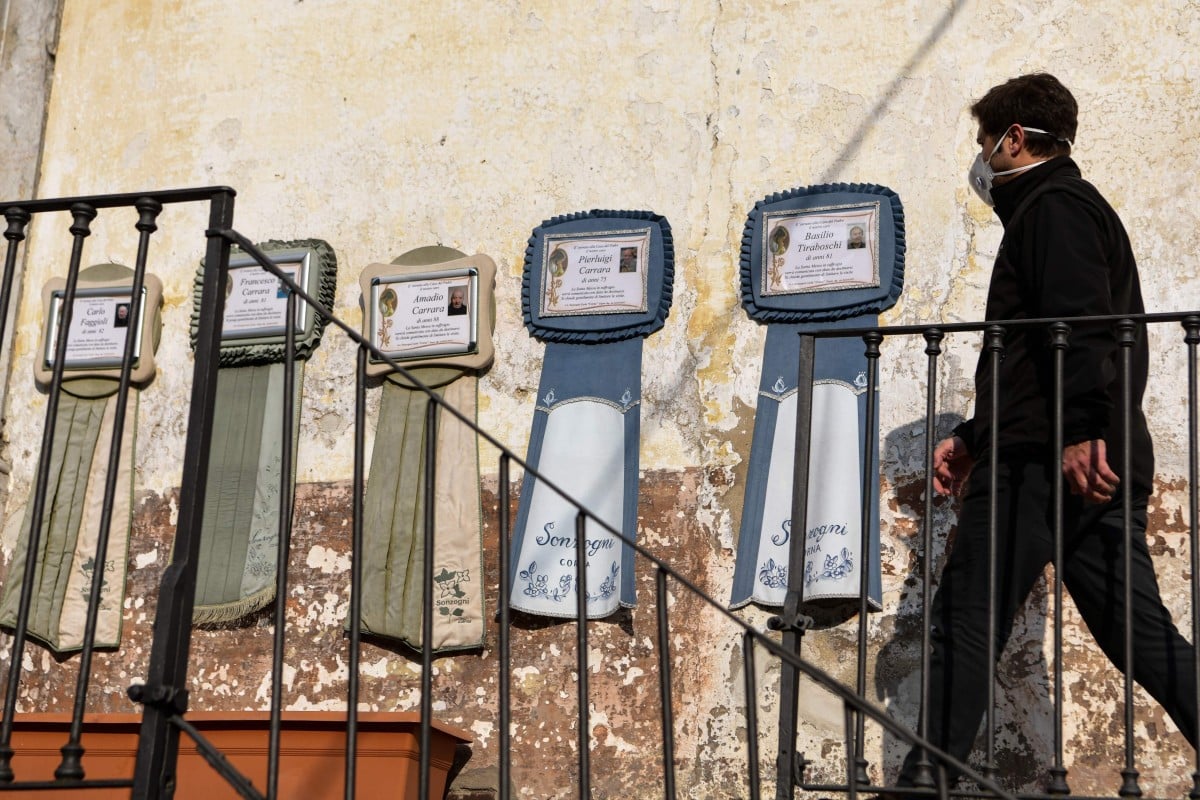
951 465
1085 466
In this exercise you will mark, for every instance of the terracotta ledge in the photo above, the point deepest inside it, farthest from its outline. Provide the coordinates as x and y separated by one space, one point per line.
311 759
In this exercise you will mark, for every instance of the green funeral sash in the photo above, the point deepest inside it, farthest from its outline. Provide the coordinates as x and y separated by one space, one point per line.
66 558
394 526
68 540
240 545
239 542
395 541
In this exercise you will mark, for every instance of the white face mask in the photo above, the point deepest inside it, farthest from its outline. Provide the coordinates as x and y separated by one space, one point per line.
981 174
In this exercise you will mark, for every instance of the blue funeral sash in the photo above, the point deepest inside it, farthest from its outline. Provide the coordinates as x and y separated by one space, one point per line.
805 269
595 284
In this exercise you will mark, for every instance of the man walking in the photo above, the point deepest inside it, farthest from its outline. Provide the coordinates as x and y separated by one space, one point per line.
1064 254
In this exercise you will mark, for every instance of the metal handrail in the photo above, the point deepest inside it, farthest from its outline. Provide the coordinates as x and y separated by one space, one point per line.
849 697
164 699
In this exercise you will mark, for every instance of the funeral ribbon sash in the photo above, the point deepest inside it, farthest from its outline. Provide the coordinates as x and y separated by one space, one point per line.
239 541
595 284
814 259
432 311
68 559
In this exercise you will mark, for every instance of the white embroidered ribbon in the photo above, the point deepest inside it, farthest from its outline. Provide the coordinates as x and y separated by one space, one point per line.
584 453
834 525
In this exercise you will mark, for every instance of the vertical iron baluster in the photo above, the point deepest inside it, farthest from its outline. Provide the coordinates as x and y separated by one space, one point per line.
15 234
869 475
431 435
82 216
17 218
943 787
664 686
581 657
163 696
994 337
71 767
1191 327
504 756
1126 335
1059 331
751 681
792 622
848 726
923 773
286 505
356 570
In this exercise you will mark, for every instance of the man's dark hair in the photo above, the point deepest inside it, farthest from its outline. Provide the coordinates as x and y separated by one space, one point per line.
1036 101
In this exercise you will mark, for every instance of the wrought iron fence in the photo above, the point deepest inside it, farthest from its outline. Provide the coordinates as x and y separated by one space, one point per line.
1126 331
164 698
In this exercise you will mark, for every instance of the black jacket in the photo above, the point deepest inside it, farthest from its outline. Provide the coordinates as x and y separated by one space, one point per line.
1064 254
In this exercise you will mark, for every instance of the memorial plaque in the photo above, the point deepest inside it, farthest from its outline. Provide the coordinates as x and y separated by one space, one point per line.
820 249
595 274
98 329
256 300
425 314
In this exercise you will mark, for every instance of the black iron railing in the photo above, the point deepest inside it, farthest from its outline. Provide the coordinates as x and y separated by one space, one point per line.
1057 333
165 700
83 210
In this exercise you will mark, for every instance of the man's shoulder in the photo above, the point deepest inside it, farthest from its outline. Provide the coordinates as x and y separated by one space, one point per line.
1070 182
1068 193
1068 205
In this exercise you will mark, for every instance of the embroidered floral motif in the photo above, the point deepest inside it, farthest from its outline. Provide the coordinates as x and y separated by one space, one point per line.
450 583
565 582
836 566
535 581
452 598
772 575
537 585
608 586
87 568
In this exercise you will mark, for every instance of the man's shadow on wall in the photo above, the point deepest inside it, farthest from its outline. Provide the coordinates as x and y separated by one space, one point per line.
1023 718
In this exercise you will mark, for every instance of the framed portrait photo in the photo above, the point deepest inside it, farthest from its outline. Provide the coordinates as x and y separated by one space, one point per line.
439 314
595 273
820 249
256 301
254 320
817 254
98 329
598 276
424 314
100 325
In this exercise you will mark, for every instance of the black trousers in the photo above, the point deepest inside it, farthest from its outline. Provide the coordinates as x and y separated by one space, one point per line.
1093 572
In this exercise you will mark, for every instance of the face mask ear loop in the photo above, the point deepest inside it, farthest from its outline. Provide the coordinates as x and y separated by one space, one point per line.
1057 138
1027 167
995 150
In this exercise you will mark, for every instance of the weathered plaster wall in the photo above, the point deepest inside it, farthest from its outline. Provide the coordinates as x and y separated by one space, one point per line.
27 41
383 126
28 31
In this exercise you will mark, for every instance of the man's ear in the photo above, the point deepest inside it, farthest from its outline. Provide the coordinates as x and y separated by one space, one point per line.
1014 141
